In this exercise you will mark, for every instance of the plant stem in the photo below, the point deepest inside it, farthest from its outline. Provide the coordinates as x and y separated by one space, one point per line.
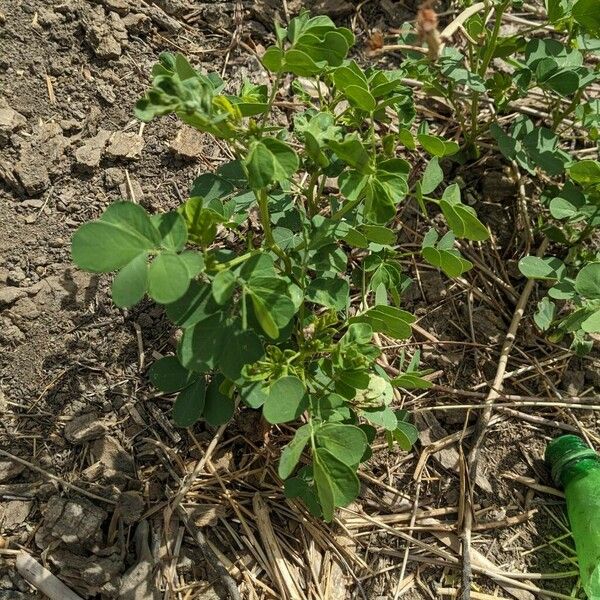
265 219
490 48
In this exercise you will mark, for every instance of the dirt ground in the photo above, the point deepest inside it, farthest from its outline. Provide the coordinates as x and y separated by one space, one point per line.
99 456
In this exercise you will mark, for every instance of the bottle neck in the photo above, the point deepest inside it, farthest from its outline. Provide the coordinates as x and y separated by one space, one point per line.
577 469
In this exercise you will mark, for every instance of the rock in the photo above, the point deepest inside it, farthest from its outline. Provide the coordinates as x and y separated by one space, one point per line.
9 470
107 93
131 506
10 334
113 177
72 521
161 19
87 574
84 428
89 155
112 455
121 7
137 23
25 308
125 145
188 143
137 583
133 192
33 175
12 595
10 122
9 295
106 36
14 513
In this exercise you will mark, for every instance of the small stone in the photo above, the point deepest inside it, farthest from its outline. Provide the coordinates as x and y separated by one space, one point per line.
14 513
113 177
107 93
88 156
16 276
70 126
131 506
121 7
70 520
188 143
9 295
134 193
10 333
10 122
110 453
125 145
25 308
9 470
33 175
32 203
137 23
84 428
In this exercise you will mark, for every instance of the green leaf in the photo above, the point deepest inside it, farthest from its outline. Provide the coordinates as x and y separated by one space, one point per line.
168 278
587 282
272 59
195 305
270 160
242 348
360 97
586 172
223 285
324 487
168 375
172 229
123 232
287 400
432 176
218 408
548 268
131 282
592 323
346 442
341 479
272 303
411 381
264 317
194 261
254 395
405 435
585 12
189 404
388 320
379 235
437 146
461 218
352 152
291 454
332 292
381 416
201 222
202 344
544 316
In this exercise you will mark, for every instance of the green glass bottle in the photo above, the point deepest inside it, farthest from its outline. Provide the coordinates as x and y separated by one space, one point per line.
576 468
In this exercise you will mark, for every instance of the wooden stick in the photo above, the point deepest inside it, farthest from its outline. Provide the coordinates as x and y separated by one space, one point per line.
42 579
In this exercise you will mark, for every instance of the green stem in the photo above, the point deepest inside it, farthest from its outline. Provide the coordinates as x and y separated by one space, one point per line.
490 48
235 261
345 209
265 219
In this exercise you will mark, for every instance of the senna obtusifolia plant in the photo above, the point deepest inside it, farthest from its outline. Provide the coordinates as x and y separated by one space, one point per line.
287 320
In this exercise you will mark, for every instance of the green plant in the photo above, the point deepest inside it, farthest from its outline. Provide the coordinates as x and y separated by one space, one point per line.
288 320
572 304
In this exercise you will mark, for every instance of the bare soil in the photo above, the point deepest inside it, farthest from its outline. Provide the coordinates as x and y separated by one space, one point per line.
101 458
